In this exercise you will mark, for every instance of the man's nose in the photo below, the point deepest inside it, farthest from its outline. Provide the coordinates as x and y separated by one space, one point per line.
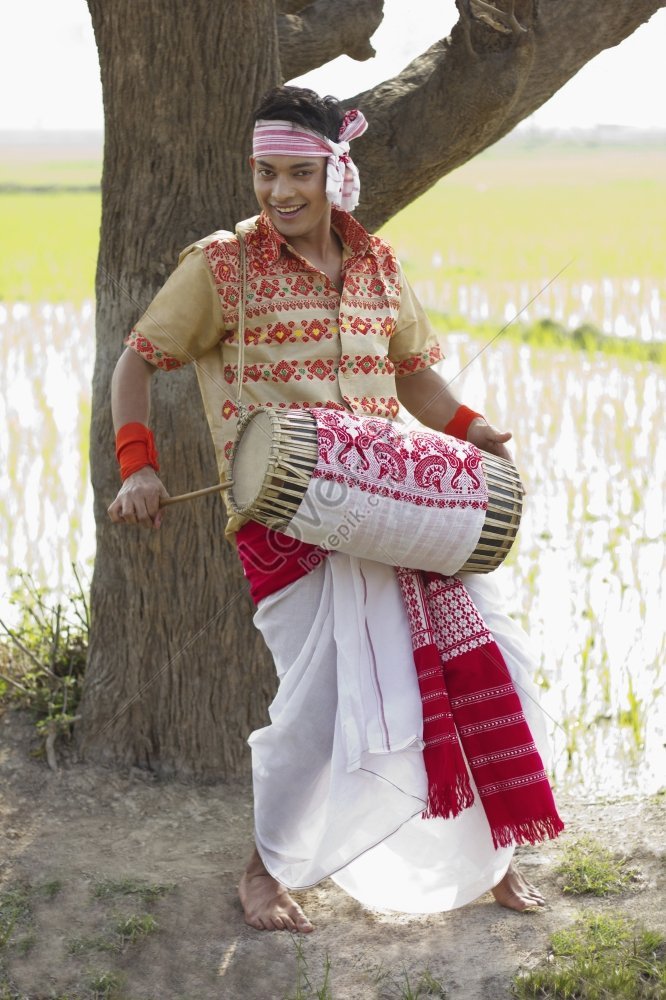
283 187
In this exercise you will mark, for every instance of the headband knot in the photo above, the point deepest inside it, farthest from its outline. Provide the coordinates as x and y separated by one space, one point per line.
284 138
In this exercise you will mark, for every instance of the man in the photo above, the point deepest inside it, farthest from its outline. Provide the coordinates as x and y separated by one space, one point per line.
330 321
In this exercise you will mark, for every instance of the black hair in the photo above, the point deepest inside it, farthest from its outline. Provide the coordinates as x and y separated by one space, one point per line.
303 107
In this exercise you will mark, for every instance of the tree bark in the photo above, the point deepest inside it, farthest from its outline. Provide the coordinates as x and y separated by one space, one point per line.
472 88
325 30
177 677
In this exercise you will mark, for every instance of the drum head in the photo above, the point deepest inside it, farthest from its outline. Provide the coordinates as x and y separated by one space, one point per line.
252 458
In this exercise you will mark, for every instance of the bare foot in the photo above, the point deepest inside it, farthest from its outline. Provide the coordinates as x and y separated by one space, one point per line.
516 893
267 904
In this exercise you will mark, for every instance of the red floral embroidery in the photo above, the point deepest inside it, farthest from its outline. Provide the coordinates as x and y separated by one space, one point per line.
148 351
419 361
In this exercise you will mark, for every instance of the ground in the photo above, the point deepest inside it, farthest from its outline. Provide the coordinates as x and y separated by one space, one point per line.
80 843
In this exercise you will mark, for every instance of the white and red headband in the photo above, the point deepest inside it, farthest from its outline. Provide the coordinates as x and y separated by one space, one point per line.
283 138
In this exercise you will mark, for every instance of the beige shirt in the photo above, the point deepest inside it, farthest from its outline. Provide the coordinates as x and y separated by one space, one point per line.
306 344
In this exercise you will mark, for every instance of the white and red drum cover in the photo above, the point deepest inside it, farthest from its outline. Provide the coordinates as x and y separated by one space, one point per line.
378 491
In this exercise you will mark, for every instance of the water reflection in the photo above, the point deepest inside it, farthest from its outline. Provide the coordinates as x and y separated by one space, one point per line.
586 577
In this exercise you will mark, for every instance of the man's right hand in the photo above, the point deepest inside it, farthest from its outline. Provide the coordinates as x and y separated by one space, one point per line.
138 500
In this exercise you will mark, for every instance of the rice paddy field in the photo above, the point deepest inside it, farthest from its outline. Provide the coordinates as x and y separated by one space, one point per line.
487 244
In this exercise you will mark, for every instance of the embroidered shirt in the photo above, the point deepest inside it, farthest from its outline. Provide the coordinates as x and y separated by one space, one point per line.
306 344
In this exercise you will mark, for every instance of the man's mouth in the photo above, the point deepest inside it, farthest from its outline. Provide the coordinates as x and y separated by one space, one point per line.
287 211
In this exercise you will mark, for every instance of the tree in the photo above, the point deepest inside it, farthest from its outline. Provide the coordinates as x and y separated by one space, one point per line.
177 677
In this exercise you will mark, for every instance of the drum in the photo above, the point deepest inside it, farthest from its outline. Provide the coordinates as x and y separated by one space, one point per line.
370 488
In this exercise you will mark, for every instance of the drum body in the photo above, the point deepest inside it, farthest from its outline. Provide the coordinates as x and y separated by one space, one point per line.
369 488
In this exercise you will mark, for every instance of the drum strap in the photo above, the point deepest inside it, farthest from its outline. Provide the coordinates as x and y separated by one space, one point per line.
242 265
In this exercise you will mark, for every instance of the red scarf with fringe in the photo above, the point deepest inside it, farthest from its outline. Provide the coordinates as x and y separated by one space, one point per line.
472 716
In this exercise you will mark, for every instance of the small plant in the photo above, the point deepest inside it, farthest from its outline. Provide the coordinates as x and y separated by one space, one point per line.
303 983
15 911
112 888
600 956
131 929
425 986
104 986
590 868
42 659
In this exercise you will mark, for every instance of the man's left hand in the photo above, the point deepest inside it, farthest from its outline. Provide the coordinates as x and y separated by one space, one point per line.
488 438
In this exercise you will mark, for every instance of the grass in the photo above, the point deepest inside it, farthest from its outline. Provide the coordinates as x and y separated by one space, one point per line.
599 957
146 891
43 658
506 215
589 868
404 986
48 246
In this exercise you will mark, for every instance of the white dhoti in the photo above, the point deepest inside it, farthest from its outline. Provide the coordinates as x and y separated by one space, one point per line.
339 779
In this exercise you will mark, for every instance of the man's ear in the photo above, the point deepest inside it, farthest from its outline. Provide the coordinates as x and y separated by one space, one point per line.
250 160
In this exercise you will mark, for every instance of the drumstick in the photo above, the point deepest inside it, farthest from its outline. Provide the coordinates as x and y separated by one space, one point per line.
165 501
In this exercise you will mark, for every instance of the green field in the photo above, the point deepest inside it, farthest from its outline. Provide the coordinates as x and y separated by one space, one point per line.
513 213
48 246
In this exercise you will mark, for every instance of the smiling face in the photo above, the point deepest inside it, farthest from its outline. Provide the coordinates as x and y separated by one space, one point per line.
291 190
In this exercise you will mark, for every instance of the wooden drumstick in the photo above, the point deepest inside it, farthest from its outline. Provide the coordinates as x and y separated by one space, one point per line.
166 501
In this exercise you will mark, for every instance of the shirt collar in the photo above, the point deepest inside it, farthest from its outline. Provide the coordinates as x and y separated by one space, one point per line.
263 239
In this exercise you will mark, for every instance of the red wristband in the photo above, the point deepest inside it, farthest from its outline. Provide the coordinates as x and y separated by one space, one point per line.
135 448
459 425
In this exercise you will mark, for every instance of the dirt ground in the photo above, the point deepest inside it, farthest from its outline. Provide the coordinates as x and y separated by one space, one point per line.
83 826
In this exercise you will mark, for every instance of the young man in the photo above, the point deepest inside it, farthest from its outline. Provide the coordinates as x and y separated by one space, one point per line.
339 776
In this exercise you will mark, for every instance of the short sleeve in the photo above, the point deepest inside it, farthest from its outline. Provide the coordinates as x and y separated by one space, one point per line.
414 344
184 320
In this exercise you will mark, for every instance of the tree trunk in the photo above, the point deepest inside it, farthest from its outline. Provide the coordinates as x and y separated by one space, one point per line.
177 677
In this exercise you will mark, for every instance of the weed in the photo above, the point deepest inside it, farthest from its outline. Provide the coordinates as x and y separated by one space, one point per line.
303 982
104 985
147 892
15 911
44 658
589 868
425 986
600 956
138 925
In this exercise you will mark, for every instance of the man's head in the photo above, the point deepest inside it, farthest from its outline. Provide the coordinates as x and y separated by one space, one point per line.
303 107
300 162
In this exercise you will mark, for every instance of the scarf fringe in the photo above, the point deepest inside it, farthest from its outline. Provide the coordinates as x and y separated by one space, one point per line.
530 832
448 801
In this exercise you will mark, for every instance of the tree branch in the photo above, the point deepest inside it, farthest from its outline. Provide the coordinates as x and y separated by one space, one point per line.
499 64
326 29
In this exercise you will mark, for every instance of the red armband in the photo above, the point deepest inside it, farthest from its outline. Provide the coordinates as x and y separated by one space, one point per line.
135 448
459 425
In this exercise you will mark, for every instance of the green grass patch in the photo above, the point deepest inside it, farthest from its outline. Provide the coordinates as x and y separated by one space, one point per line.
48 246
589 868
549 334
146 891
510 215
49 174
599 957
43 659
105 986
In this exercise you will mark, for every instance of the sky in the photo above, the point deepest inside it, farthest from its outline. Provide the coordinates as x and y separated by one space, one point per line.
59 88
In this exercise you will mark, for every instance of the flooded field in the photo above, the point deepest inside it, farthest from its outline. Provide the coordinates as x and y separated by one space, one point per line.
586 576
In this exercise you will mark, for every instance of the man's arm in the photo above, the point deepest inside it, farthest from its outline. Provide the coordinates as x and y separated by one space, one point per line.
138 500
427 398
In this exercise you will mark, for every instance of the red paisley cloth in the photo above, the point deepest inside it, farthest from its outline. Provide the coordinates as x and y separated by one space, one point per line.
472 713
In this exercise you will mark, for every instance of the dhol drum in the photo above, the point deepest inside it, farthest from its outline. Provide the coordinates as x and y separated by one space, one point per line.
370 488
